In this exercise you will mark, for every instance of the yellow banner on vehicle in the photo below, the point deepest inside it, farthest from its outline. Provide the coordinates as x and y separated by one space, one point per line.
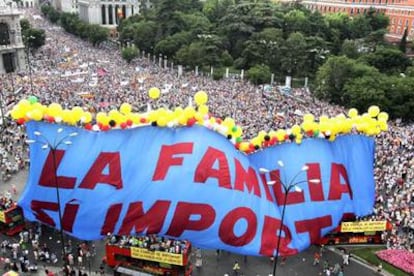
156 256
363 226
2 216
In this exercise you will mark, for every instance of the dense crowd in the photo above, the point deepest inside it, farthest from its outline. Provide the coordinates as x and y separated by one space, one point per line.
98 79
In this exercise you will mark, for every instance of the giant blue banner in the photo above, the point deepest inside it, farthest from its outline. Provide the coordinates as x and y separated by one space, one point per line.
191 183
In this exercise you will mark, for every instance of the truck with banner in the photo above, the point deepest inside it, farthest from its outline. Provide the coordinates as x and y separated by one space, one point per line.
11 220
148 255
358 232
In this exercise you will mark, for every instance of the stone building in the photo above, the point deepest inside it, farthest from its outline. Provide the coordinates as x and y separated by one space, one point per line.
12 50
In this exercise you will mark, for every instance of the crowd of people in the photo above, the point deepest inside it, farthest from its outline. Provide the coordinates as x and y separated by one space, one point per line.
97 78
150 242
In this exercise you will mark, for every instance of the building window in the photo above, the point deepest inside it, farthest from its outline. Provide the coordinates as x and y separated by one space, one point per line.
4 34
110 15
103 15
8 62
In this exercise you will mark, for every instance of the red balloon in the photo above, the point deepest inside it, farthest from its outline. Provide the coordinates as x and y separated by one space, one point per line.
123 125
191 121
129 122
88 126
142 120
20 121
309 133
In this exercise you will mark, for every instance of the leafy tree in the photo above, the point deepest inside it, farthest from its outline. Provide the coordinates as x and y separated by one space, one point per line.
377 20
34 38
144 37
97 34
401 94
350 48
333 75
359 27
129 53
171 44
226 59
25 24
53 15
403 42
294 54
387 60
45 9
365 91
259 74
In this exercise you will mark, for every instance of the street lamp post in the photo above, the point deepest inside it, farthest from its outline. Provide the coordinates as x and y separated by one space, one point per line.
292 184
46 144
28 40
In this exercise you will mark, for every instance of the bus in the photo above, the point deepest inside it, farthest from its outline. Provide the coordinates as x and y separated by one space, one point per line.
11 220
357 232
148 255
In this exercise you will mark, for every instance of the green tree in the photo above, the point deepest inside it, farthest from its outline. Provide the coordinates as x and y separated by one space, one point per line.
387 60
25 24
403 42
171 44
144 35
34 38
45 9
365 91
377 20
333 75
259 74
350 48
129 53
53 15
97 34
294 54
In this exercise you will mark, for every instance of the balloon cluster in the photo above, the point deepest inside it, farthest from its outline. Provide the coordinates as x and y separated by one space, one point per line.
371 123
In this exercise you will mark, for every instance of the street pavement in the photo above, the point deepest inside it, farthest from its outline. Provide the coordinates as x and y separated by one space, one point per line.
213 264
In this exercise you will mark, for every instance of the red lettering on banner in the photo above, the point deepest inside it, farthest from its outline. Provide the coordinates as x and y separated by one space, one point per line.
270 233
266 188
38 208
167 158
315 189
336 188
95 176
313 227
151 221
112 216
246 179
47 177
69 216
279 192
205 168
182 218
226 230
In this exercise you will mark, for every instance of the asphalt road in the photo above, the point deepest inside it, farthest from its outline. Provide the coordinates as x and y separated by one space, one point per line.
213 265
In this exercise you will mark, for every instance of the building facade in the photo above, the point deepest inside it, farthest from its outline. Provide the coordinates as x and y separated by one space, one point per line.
107 12
12 50
400 12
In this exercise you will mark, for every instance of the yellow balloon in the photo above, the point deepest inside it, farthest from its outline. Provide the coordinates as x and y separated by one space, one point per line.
373 111
125 108
244 146
86 117
77 113
295 129
36 114
308 117
203 109
383 116
200 98
100 116
353 112
154 93
162 121
189 112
